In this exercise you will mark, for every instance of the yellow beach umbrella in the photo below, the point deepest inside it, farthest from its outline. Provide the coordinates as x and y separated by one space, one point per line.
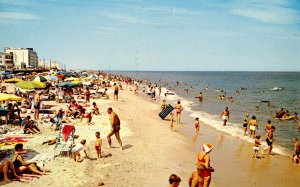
30 85
72 79
76 82
13 80
86 78
9 97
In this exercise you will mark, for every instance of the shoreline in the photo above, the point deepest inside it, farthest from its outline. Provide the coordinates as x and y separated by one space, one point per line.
153 153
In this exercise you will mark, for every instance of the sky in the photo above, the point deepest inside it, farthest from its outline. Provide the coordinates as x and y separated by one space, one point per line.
156 35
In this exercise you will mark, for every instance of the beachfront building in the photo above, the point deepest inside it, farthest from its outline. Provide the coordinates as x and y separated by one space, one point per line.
23 57
6 61
49 64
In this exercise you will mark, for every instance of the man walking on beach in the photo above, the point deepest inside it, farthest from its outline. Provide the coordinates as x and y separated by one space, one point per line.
269 141
115 127
225 115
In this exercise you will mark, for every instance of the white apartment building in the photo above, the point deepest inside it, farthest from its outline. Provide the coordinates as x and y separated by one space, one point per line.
49 64
23 57
6 60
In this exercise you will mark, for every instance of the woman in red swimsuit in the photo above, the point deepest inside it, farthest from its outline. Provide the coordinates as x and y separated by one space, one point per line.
204 158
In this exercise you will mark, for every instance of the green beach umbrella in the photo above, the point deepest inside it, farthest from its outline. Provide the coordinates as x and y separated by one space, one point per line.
67 84
3 111
39 79
30 85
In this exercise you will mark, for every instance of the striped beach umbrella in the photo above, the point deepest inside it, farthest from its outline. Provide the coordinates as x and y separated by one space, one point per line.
39 79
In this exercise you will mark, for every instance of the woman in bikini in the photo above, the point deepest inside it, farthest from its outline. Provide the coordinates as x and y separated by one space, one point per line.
178 108
252 126
204 159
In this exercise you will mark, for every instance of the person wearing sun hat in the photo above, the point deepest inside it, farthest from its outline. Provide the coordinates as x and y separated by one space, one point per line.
245 124
204 159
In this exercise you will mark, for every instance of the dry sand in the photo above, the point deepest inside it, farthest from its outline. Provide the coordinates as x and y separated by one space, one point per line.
153 152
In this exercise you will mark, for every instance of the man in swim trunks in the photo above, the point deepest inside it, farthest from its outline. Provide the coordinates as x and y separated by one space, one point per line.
197 180
115 127
116 91
37 105
225 115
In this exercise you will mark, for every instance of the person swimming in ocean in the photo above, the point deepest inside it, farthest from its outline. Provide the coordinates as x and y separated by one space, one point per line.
280 113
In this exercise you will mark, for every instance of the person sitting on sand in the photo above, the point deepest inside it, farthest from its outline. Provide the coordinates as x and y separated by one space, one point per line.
98 144
252 126
296 154
178 108
104 94
95 109
29 126
4 169
256 146
115 127
174 180
197 178
204 159
11 114
269 141
76 151
88 115
21 166
225 116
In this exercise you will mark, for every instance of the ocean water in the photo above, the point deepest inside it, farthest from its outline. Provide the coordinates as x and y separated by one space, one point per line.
260 86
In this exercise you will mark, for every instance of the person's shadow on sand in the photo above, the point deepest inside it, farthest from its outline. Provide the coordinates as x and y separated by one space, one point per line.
128 146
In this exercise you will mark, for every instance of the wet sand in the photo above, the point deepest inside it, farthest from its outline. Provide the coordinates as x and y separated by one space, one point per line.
153 152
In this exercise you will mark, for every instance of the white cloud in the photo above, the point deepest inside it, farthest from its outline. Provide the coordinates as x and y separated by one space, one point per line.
18 16
268 13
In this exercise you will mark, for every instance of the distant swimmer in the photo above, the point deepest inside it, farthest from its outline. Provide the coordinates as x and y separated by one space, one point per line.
200 96
243 88
186 91
225 116
296 116
280 113
237 92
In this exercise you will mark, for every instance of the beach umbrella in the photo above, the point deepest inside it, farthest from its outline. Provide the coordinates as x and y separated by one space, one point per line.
93 76
67 84
86 83
72 79
3 111
13 80
30 85
51 78
39 79
9 97
76 82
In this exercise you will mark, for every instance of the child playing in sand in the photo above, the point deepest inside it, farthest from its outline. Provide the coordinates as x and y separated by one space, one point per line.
98 144
197 125
77 148
256 146
172 120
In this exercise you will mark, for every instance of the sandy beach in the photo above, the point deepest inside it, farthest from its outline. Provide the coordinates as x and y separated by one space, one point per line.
152 152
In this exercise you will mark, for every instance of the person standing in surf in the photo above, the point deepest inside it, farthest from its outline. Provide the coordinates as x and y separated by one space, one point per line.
225 116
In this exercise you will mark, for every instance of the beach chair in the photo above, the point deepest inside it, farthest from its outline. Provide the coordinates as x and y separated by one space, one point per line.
65 140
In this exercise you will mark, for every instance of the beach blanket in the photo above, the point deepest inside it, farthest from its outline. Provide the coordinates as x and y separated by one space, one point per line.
66 131
28 177
11 141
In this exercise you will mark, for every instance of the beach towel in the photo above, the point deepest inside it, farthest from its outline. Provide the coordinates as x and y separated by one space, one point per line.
165 112
28 177
66 131
11 141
